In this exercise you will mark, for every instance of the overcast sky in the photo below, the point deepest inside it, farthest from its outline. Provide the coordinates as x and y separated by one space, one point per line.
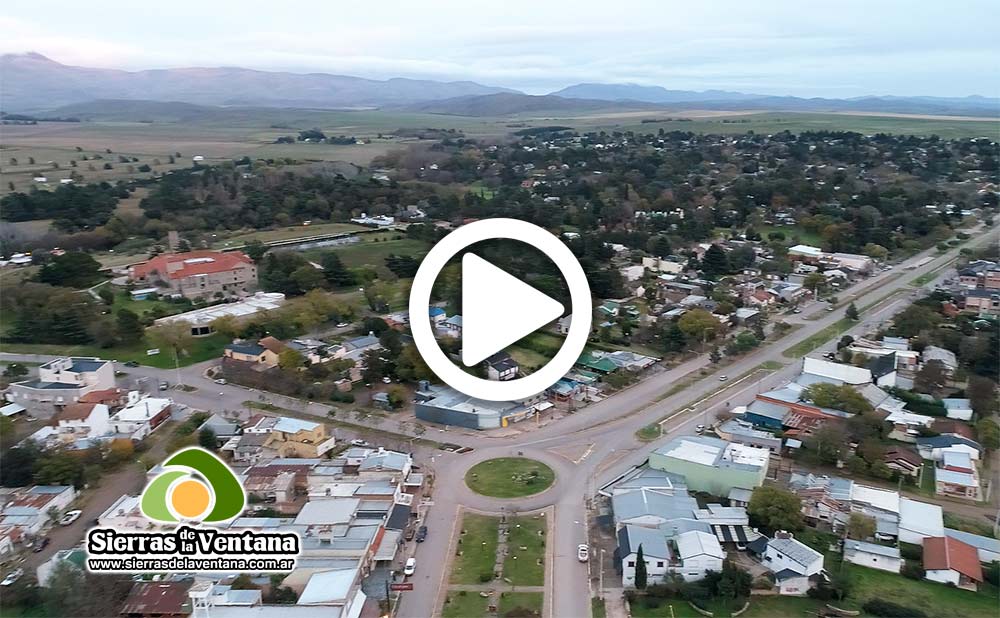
837 49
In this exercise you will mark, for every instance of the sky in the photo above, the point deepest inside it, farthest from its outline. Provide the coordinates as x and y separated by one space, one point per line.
813 49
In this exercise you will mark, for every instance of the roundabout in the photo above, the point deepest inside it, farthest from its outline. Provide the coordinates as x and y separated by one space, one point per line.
509 477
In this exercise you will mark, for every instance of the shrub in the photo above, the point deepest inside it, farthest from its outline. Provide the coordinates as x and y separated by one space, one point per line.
912 569
911 551
486 576
888 609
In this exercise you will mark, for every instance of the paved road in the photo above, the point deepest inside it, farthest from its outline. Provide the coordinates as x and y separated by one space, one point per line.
586 449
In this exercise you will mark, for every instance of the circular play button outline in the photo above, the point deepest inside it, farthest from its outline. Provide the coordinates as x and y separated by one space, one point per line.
555 250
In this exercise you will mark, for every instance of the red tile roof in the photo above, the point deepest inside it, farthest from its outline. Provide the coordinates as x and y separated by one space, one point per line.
192 263
73 412
158 599
108 395
945 553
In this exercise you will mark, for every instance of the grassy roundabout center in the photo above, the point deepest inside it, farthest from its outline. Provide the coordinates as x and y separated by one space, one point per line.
509 477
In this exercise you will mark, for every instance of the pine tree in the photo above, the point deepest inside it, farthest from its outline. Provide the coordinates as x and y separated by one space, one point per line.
851 312
715 262
640 570
335 271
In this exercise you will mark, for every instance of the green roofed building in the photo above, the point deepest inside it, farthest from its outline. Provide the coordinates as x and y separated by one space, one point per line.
712 465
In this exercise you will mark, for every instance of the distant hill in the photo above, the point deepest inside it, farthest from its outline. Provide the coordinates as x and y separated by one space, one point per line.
725 100
33 82
508 104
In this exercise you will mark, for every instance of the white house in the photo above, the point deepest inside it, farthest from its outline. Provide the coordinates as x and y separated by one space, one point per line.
655 552
82 420
698 552
30 509
124 514
141 416
919 520
873 556
792 562
958 408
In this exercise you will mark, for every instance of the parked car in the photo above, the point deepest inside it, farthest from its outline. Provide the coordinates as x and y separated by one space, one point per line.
69 517
359 443
386 380
411 566
40 544
700 429
12 577
131 364
582 552
421 534
220 381
343 325
164 386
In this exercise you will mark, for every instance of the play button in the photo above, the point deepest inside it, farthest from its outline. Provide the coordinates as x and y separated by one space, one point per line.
498 309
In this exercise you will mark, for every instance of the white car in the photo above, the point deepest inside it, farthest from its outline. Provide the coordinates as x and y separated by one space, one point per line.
411 566
343 325
359 443
12 577
723 378
220 381
386 380
700 429
69 517
582 552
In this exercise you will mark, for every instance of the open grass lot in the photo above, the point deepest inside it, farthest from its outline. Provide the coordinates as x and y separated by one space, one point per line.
526 567
464 604
793 234
934 599
203 349
372 250
478 548
782 607
531 601
661 608
509 477
528 359
286 233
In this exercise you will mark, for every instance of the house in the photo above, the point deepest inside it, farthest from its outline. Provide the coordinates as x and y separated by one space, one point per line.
933 447
200 320
264 352
292 437
712 465
743 432
74 558
957 476
903 460
223 428
945 357
792 562
805 253
988 548
61 382
873 555
158 600
906 425
82 421
501 366
919 520
452 327
698 552
124 514
437 315
199 274
444 405
958 408
948 560
655 551
30 509
141 417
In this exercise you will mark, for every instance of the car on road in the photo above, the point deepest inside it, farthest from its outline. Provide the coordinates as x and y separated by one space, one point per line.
69 517
220 381
386 380
411 566
723 378
131 364
40 544
12 577
343 325
164 386
359 443
796 310
421 534
582 552
700 429
831 308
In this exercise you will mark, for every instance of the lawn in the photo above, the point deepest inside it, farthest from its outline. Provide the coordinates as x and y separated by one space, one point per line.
809 344
531 601
661 608
794 235
288 233
142 307
927 484
597 609
936 600
648 433
464 604
527 359
781 607
202 349
478 548
372 250
509 477
526 567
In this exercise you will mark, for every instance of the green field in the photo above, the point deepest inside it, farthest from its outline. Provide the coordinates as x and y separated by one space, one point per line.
663 608
531 601
509 477
526 567
286 233
372 250
464 604
793 235
478 548
202 349
935 599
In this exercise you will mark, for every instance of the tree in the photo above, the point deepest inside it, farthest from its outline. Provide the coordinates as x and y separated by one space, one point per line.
206 439
175 336
874 251
932 378
307 277
698 325
860 527
397 396
852 312
411 366
129 327
335 272
826 444
982 393
915 320
714 355
641 575
989 433
715 262
774 509
15 370
290 359
119 451
840 397
255 250
106 295
17 465
815 282
73 269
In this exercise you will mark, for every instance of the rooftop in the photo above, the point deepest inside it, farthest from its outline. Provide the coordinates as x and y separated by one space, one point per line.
261 301
794 549
948 553
191 264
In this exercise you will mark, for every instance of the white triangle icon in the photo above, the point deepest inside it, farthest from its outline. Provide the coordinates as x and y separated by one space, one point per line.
498 309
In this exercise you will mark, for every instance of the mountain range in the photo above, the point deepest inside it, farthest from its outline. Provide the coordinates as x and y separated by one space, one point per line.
35 83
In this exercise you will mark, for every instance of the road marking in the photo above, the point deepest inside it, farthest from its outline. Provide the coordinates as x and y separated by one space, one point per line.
586 454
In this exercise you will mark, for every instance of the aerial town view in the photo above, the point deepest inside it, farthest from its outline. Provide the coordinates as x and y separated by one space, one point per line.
551 310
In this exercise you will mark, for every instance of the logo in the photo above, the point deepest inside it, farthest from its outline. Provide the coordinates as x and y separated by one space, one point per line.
195 486
191 506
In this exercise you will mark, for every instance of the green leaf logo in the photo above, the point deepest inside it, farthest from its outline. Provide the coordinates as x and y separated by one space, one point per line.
195 485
